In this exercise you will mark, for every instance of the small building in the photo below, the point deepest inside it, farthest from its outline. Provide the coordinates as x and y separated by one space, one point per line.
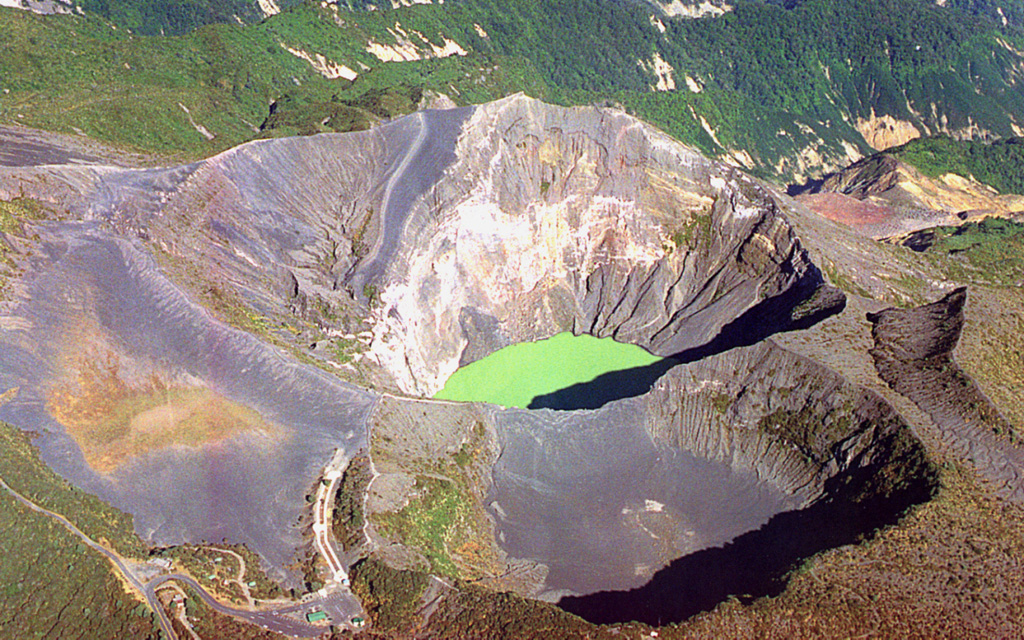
358 622
163 563
316 616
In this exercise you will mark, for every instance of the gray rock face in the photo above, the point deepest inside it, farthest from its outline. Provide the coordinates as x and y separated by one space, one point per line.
553 219
607 498
539 218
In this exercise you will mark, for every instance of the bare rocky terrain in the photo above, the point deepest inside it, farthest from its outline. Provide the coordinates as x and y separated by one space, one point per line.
330 282
882 196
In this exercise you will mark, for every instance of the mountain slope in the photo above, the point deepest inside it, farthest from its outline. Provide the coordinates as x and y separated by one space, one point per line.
761 86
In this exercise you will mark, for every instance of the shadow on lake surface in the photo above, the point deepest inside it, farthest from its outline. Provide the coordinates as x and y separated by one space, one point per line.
765 319
607 387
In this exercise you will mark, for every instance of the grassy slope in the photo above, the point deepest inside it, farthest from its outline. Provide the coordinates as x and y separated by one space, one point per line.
51 585
989 257
69 73
999 164
949 570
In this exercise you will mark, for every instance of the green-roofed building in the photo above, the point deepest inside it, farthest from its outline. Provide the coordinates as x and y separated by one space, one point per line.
316 616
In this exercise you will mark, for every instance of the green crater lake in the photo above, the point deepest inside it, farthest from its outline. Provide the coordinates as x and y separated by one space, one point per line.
518 375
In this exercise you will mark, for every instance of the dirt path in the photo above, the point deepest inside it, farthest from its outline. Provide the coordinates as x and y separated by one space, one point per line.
240 580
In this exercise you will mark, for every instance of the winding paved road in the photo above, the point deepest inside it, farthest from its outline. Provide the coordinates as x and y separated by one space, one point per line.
128 574
276 620
285 620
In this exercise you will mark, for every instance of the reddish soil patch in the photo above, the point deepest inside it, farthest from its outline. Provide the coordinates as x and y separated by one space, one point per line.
846 209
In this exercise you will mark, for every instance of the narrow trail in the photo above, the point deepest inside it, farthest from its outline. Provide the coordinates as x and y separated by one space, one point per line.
240 580
373 470
390 225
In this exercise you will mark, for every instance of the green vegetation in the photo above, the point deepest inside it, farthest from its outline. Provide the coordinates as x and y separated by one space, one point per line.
434 523
212 566
474 612
987 252
444 519
722 402
171 17
999 164
14 214
73 73
348 518
842 281
515 375
22 469
391 597
811 430
771 83
52 585
697 228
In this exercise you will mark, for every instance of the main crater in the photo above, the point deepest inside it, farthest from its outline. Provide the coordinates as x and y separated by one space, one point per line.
395 256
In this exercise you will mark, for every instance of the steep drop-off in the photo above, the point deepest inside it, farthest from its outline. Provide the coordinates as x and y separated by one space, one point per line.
883 196
581 219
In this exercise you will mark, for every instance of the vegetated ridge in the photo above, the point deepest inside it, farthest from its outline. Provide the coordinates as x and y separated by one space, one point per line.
753 86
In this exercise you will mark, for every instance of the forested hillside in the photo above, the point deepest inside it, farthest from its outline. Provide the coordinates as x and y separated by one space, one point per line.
999 164
784 89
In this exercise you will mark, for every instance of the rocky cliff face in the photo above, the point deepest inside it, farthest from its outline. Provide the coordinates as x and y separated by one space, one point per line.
553 219
718 448
448 234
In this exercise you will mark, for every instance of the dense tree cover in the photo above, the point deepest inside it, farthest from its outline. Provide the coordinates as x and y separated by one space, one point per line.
475 612
52 585
390 596
23 471
999 164
1009 13
394 600
348 519
171 17
777 79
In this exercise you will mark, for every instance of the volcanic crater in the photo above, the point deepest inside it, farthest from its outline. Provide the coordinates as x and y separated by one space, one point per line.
394 256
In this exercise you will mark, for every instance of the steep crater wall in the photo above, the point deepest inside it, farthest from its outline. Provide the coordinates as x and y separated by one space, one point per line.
756 449
554 219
